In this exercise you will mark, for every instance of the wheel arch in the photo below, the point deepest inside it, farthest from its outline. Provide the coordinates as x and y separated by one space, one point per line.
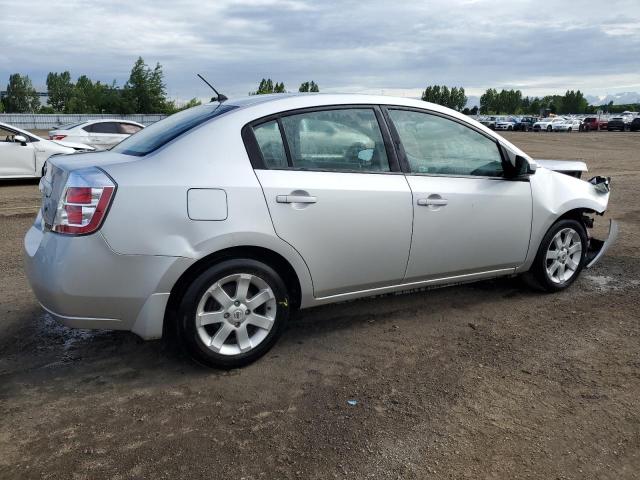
268 256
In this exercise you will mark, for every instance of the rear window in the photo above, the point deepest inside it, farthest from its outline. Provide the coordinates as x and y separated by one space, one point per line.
162 132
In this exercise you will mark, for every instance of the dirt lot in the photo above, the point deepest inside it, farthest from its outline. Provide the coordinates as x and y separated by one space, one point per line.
489 380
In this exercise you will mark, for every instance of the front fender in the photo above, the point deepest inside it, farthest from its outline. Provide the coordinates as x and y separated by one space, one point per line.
554 194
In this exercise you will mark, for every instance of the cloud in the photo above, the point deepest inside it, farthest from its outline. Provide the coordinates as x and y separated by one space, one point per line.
342 45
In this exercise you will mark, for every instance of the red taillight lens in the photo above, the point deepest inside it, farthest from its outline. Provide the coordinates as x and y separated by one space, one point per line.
79 195
84 203
56 137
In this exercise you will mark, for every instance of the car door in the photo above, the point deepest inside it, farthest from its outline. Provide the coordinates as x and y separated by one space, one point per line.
16 159
468 218
335 193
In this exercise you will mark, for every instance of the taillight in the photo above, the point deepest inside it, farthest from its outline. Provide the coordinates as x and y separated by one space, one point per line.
56 137
84 202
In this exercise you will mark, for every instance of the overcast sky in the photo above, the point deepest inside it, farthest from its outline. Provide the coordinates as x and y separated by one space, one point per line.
393 47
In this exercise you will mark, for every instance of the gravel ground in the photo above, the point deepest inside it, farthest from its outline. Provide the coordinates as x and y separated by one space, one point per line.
488 380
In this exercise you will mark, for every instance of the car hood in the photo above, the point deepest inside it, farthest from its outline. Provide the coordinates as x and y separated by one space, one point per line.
563 165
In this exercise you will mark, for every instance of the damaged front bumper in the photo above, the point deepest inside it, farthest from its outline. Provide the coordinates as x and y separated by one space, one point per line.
597 248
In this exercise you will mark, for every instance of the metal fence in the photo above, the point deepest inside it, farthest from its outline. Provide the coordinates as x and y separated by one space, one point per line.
39 121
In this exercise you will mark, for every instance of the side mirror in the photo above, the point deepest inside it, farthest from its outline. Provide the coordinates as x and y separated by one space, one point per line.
523 167
20 139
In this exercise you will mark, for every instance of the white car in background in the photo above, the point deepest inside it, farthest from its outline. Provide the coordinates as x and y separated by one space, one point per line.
101 134
547 124
22 154
568 125
506 124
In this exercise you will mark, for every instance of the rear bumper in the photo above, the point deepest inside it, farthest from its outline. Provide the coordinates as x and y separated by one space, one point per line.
84 284
597 248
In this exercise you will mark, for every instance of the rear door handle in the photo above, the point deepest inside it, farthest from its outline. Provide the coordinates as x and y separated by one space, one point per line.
296 199
433 202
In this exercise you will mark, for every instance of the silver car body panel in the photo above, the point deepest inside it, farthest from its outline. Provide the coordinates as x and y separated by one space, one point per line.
365 235
563 165
484 225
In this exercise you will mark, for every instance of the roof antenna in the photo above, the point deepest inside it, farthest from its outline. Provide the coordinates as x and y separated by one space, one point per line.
219 98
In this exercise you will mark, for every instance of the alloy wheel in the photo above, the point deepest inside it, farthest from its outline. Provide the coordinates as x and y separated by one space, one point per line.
563 256
236 314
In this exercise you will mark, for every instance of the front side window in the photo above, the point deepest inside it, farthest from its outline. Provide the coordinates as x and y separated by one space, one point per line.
437 145
344 140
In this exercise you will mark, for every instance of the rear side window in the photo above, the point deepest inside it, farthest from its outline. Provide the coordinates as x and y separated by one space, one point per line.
437 145
162 132
335 140
270 144
129 128
105 127
347 140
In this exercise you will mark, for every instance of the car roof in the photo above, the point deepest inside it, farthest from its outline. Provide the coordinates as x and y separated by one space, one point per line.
263 105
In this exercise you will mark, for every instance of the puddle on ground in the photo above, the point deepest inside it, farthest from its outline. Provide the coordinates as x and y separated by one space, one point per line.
69 337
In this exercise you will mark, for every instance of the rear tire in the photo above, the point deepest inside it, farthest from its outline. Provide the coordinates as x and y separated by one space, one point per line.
233 313
561 256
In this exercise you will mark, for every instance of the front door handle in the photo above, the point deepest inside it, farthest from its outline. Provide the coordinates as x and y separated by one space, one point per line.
433 201
296 199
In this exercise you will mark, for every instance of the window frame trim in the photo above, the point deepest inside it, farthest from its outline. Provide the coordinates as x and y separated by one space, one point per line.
257 160
401 153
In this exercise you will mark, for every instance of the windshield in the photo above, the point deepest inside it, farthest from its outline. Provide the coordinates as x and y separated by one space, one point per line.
162 132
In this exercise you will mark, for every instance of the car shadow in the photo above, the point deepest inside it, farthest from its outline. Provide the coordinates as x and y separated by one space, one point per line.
37 350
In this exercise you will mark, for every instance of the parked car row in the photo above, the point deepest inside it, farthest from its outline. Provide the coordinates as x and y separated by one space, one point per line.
23 154
628 121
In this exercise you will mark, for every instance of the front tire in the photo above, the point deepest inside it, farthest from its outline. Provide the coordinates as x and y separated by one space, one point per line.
233 313
561 255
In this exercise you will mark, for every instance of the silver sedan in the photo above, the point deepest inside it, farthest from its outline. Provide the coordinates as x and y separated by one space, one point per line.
220 221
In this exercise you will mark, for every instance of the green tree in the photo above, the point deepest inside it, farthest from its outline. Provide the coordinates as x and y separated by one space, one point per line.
21 96
267 86
442 95
309 87
488 101
458 99
574 102
194 102
60 90
83 98
145 91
